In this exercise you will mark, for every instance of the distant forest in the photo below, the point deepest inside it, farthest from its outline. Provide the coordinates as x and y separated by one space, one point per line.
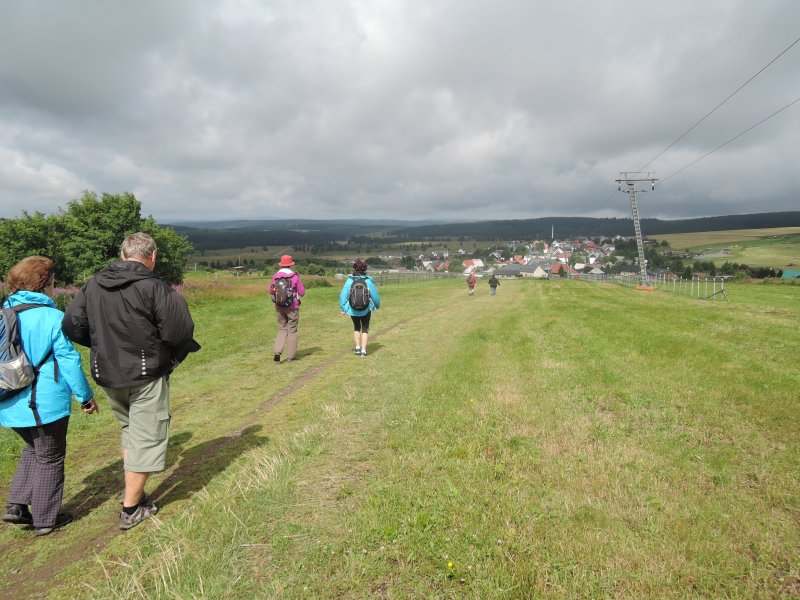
292 232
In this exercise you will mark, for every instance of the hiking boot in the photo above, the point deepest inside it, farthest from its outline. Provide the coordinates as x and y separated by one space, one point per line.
18 514
61 520
141 513
277 357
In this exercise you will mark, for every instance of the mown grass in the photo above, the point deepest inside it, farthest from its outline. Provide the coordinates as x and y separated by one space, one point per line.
699 240
559 440
777 248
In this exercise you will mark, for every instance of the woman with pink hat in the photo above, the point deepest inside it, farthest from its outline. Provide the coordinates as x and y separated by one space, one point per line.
285 291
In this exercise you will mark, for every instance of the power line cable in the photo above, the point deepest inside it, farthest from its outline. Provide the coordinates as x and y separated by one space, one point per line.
685 133
730 140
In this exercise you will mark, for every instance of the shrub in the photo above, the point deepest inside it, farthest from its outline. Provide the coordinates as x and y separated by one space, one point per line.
64 296
312 281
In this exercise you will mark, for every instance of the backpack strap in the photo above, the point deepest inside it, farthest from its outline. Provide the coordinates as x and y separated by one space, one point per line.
18 308
32 401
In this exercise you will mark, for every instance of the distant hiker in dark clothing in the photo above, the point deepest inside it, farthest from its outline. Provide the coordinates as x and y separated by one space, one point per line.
493 283
285 291
39 479
139 329
358 298
471 281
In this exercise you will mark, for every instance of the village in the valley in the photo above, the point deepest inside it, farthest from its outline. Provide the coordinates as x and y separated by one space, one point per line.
538 259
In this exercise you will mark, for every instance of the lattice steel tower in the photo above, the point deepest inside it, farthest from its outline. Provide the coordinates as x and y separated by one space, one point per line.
630 183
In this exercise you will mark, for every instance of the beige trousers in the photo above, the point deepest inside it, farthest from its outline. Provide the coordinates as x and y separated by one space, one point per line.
287 331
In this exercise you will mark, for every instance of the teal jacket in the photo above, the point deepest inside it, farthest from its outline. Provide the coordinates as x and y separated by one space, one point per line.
40 330
344 297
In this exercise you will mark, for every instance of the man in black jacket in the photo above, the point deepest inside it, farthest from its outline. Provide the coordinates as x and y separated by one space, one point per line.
138 329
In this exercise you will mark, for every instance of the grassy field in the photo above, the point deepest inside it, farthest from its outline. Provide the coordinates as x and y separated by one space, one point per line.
777 248
559 440
754 247
271 254
708 239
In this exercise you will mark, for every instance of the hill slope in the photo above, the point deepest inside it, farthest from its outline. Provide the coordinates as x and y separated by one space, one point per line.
238 234
523 445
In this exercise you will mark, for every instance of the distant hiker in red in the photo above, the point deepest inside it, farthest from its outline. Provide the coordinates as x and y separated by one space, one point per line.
285 291
471 281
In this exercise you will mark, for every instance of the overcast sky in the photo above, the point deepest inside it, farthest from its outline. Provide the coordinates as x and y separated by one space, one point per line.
406 109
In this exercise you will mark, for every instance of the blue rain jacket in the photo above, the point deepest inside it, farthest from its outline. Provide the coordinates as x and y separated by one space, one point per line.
40 330
344 296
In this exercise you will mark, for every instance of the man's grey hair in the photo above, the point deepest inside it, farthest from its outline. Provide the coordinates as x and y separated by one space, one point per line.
138 245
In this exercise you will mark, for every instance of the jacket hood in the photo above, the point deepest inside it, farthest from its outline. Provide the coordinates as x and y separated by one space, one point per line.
121 274
26 297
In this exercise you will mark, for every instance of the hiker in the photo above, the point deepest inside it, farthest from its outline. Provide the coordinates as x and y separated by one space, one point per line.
285 291
358 298
139 330
471 281
39 479
493 283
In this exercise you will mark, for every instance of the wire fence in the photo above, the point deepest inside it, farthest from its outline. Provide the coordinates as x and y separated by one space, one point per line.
707 288
387 277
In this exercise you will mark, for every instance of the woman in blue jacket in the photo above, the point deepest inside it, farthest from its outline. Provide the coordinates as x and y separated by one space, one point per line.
358 313
39 479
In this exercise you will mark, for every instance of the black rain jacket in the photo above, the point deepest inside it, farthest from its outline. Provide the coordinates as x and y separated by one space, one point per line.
138 327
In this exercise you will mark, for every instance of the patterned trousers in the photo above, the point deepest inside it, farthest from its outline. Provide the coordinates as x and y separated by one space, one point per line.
39 479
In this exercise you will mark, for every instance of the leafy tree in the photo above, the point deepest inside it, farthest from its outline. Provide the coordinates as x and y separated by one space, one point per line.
173 251
94 229
315 269
29 235
87 235
374 261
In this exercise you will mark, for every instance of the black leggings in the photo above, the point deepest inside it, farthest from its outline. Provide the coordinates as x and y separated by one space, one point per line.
361 323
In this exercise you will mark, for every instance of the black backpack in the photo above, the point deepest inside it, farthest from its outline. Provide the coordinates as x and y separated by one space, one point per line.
359 294
282 292
16 370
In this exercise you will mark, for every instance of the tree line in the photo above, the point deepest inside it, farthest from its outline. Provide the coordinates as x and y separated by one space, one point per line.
331 236
87 236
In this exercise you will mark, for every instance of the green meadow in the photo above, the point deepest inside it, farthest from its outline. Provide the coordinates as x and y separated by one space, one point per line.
777 248
562 439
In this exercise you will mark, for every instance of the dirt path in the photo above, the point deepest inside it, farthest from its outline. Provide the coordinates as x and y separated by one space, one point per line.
29 581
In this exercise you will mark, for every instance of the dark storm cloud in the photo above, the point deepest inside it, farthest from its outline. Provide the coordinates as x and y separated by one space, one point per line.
447 109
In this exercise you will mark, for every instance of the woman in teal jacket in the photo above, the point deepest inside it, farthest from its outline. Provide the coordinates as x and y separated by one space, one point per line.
360 317
39 479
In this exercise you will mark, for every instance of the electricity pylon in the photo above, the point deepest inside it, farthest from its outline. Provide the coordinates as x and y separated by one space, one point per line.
630 183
